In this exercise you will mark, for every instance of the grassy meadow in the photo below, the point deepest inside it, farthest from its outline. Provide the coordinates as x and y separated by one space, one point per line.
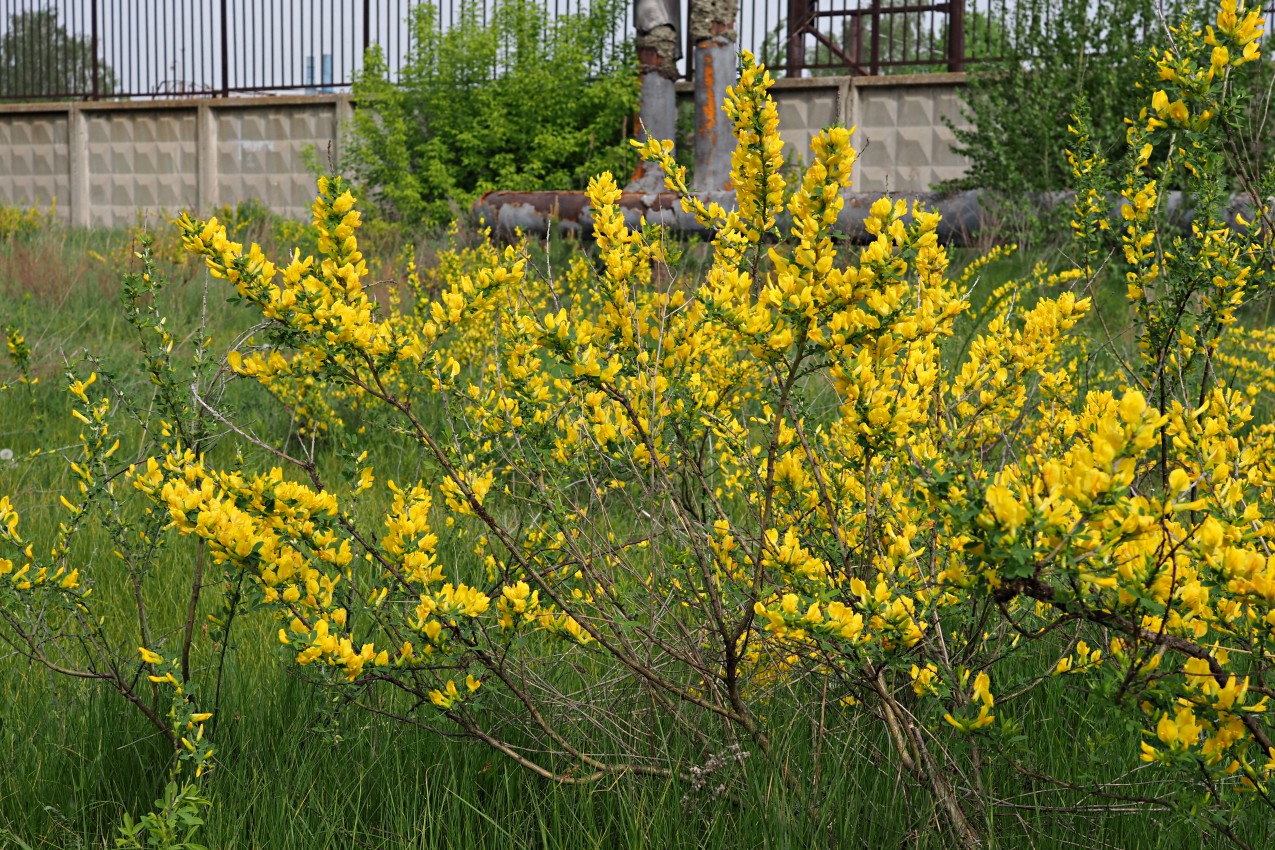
294 768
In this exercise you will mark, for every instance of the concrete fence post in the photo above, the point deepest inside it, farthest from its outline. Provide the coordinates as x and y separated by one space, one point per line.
344 126
206 159
77 149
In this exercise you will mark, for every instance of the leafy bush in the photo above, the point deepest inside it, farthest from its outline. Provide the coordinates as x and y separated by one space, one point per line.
20 222
1071 51
522 101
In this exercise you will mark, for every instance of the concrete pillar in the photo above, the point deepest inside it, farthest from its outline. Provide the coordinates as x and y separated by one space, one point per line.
713 33
658 49
206 199
77 149
847 102
344 125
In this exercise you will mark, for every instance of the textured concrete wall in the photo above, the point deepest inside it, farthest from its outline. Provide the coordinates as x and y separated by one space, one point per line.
107 162
139 161
34 163
902 142
260 155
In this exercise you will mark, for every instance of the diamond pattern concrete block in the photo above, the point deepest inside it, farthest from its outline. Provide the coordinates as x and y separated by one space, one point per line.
915 152
946 158
31 149
229 127
792 114
42 161
99 130
878 110
253 160
916 110
278 128
42 133
254 125
874 180
277 161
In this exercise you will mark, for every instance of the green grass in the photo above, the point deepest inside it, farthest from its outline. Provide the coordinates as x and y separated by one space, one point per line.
295 771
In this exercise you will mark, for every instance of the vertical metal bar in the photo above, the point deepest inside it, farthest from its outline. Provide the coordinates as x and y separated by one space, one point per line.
28 75
225 53
956 35
900 50
798 22
143 47
288 64
874 62
24 73
367 24
97 71
59 60
856 42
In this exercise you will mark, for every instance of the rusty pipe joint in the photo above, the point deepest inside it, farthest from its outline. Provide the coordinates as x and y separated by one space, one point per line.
712 23
657 52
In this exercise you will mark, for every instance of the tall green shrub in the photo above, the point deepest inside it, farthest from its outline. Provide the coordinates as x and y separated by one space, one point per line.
1091 51
514 99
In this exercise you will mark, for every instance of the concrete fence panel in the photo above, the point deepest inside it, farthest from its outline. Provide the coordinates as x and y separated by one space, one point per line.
108 162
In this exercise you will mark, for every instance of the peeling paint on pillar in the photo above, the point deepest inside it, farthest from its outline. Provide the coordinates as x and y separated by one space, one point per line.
713 30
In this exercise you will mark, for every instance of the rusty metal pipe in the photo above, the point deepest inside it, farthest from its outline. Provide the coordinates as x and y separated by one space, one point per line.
569 214
965 215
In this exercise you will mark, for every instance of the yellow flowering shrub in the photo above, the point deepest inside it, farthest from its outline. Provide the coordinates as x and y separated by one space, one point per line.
727 508
25 221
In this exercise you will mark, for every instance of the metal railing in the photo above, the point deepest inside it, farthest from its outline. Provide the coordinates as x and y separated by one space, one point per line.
872 37
94 49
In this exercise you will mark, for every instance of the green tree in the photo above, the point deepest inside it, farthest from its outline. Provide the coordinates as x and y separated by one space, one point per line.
1068 51
520 100
40 59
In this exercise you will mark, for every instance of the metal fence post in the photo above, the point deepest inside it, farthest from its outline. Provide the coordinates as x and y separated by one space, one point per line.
225 53
798 20
367 25
93 43
874 66
956 35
